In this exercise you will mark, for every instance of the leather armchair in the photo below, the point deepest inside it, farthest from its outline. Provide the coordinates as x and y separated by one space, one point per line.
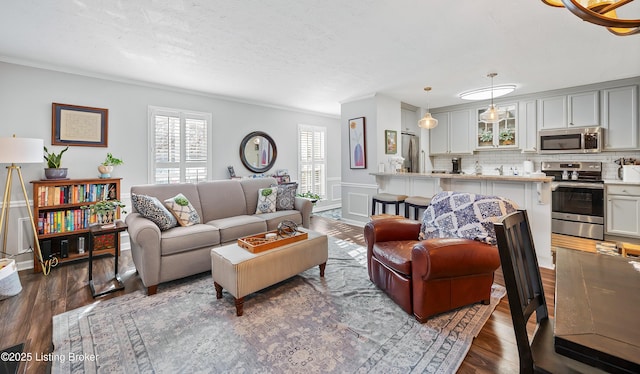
430 276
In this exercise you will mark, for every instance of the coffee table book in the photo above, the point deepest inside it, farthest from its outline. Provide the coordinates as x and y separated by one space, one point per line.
259 242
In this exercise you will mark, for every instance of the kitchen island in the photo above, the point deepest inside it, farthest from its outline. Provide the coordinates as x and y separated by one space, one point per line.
531 192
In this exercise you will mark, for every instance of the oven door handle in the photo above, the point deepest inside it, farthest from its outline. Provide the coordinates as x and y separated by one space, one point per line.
593 186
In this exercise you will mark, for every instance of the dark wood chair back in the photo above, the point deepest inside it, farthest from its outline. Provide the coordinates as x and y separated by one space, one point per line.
526 296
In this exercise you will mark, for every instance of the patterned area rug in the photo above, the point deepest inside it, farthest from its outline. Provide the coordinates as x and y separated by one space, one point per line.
339 324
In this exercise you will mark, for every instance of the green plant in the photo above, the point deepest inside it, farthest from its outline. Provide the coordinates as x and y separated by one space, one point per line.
506 134
104 206
54 159
111 161
486 136
314 197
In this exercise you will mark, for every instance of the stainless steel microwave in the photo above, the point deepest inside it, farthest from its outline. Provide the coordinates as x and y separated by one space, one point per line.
570 140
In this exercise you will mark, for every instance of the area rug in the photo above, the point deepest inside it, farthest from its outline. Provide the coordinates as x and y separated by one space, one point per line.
337 324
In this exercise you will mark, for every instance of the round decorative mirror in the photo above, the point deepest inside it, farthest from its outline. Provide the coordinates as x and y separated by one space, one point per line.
258 152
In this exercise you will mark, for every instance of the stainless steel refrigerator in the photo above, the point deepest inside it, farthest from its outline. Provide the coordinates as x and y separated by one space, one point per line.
410 152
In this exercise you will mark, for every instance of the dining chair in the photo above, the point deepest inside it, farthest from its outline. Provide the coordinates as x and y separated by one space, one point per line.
526 296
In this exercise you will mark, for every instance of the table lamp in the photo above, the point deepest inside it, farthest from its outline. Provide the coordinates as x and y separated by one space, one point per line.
15 151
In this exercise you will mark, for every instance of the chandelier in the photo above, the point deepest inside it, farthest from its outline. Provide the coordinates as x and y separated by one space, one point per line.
427 122
600 12
493 114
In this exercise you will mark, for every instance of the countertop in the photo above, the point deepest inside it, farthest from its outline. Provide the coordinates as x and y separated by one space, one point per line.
515 178
618 181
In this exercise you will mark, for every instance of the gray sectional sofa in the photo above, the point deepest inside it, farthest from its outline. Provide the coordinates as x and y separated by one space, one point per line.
227 211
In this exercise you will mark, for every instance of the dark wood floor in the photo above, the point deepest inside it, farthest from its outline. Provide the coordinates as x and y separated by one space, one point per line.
27 317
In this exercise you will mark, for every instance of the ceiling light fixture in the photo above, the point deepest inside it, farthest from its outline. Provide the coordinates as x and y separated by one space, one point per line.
485 93
493 114
600 12
427 122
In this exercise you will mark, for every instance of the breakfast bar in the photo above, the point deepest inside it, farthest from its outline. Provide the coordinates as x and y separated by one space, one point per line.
531 192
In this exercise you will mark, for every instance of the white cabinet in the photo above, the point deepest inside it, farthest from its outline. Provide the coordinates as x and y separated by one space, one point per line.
552 112
620 118
579 109
527 126
452 135
623 210
500 135
439 136
584 109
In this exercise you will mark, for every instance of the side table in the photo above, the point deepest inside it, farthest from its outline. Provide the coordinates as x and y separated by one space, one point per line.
116 283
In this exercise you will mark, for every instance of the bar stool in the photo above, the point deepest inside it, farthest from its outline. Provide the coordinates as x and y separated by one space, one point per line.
385 199
415 202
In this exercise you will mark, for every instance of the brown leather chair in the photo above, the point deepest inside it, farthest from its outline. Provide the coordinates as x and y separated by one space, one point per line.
431 276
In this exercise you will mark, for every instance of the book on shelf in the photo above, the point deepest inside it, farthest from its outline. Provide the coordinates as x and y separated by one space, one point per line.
76 193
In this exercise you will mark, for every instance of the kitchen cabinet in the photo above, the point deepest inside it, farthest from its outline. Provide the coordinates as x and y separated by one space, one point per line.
527 126
451 136
620 118
499 135
584 109
439 136
623 210
552 112
580 109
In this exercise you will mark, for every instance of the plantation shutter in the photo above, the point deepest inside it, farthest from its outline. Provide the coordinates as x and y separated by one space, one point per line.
180 145
312 159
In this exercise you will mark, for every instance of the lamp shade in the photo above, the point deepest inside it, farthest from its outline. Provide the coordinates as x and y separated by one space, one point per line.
427 122
21 150
493 114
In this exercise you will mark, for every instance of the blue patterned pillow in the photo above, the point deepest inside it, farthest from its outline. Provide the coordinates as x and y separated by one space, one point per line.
285 200
152 209
464 215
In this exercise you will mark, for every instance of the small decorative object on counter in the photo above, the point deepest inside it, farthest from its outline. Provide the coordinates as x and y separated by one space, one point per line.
478 168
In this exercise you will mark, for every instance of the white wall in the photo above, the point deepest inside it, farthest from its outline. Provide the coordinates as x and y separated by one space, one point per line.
358 185
25 103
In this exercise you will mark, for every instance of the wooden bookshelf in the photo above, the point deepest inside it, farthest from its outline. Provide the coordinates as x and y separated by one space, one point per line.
63 227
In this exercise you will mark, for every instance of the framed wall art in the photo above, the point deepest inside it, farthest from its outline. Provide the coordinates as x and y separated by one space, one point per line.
391 142
357 143
79 125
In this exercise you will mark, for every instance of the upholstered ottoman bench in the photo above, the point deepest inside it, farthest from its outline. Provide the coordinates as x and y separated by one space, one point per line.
241 272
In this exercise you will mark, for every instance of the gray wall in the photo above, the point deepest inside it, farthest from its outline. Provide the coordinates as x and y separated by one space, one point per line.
25 103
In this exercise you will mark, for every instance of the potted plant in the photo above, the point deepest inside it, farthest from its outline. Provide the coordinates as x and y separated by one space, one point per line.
314 197
486 137
506 136
105 210
107 165
54 160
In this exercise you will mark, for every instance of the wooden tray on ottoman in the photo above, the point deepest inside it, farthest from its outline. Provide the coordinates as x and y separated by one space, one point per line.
259 242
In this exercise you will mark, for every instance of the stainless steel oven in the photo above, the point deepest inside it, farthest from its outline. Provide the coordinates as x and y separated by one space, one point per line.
577 198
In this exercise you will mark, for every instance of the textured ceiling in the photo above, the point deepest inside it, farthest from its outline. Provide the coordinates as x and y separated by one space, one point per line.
312 55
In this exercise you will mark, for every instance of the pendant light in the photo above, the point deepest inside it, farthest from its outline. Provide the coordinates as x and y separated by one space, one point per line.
427 122
493 114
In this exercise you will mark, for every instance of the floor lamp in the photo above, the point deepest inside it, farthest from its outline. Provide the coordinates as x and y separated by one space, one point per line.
20 151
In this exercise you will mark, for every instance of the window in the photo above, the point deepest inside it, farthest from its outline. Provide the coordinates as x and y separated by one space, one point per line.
312 161
180 143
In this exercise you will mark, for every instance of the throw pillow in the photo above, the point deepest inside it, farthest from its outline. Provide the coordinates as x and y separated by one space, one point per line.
151 208
286 197
182 209
464 215
267 200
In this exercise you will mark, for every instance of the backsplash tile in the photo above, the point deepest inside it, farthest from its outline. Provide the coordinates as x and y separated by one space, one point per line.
515 159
